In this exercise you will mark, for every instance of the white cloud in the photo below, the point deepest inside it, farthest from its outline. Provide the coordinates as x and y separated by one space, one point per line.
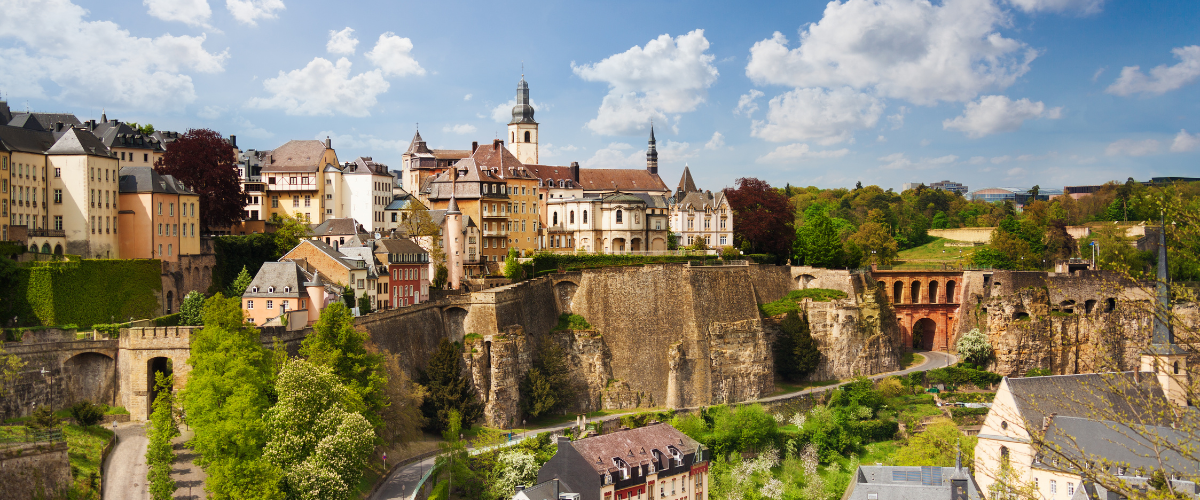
250 11
211 112
668 76
799 151
616 155
1185 142
190 12
393 54
881 139
502 113
1100 71
899 161
550 150
897 120
460 129
1016 172
247 129
1130 147
906 49
828 117
467 97
717 142
342 42
977 160
1084 7
323 88
1162 78
997 113
748 103
363 142
996 160
671 151
97 63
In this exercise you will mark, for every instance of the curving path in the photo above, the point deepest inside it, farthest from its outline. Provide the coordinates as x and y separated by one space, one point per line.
402 483
124 470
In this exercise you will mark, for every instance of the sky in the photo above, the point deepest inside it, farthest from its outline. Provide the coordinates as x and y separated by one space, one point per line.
989 93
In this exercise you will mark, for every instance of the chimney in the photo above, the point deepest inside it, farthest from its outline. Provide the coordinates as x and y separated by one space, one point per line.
520 488
563 443
474 146
328 143
496 143
575 171
1046 421
233 140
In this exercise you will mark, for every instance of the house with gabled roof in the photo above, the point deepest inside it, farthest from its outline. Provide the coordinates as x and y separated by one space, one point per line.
700 216
349 272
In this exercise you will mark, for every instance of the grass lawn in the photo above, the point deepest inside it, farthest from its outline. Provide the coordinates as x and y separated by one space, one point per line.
84 446
782 306
788 387
937 251
911 359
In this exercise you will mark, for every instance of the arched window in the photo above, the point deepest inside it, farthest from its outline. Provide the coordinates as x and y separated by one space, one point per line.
915 297
526 136
58 250
620 216
254 289
572 219
562 183
1175 367
45 248
555 219
585 216
287 288
933 289
514 137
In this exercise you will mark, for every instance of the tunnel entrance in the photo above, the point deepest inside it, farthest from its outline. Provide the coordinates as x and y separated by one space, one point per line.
153 367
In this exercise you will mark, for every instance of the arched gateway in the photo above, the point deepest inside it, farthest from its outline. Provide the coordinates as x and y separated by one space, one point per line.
926 305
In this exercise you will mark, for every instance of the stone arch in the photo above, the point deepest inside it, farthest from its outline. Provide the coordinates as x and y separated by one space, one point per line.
1068 306
915 295
153 366
46 247
897 292
565 292
1089 305
456 323
803 280
635 244
90 376
58 250
924 333
950 286
933 292
1110 304
618 245
33 248
658 244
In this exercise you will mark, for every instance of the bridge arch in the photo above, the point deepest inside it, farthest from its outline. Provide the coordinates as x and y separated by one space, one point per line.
564 292
933 292
925 333
90 376
455 319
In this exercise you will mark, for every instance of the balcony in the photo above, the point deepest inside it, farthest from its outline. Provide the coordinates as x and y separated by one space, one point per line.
47 233
495 215
495 232
292 187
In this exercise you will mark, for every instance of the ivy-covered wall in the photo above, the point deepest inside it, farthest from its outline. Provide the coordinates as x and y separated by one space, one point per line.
87 292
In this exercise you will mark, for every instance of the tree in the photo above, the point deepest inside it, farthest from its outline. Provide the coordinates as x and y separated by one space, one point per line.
417 221
230 387
146 129
974 348
440 275
454 450
10 369
204 161
86 413
335 343
817 243
162 429
402 417
514 467
240 284
672 240
316 434
512 268
364 304
547 385
1033 191
191 312
449 390
872 244
939 445
806 355
762 217
289 231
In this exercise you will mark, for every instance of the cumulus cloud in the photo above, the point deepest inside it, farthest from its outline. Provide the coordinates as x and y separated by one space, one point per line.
550 150
393 55
190 12
97 63
671 151
1084 7
897 120
341 42
717 142
799 151
323 88
748 103
1162 78
1016 172
250 11
992 114
907 49
248 129
211 112
467 97
667 77
1130 147
616 155
826 116
899 161
460 129
502 113
363 141
1185 142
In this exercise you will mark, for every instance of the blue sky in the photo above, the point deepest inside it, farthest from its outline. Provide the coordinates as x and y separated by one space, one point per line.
984 92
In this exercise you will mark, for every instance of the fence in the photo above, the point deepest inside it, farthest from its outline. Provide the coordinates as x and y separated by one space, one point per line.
10 437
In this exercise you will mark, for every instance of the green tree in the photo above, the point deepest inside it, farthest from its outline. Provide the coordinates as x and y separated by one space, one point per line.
448 389
335 343
817 243
440 275
316 435
672 241
744 428
974 348
10 368
288 231
142 129
230 387
512 268
454 457
938 445
191 311
512 468
784 347
805 356
872 244
547 386
87 413
364 304
160 432
240 284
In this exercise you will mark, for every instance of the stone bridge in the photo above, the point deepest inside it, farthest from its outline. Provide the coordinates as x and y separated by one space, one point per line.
926 305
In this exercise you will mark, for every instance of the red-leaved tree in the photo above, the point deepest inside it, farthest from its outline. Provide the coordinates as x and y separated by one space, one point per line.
762 218
205 162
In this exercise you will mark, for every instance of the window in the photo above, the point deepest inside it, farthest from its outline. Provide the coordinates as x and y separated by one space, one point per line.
296 201
160 230
1053 486
619 216
307 200
1070 489
160 250
170 249
57 196
145 156
58 222
270 289
249 304
57 172
572 221
270 304
172 210
274 200
175 230
526 136
361 284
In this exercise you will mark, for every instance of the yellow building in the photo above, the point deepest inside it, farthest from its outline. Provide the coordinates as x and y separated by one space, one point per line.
131 147
159 216
301 179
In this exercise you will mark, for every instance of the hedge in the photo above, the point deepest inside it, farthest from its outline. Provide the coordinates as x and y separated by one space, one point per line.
956 376
544 261
874 430
87 292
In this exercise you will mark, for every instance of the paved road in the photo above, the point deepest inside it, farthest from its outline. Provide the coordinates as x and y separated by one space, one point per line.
189 477
403 481
125 470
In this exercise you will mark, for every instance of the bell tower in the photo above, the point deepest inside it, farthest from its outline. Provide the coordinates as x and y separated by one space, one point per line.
523 130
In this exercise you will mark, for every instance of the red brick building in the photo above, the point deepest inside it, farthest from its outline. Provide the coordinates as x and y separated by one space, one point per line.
408 269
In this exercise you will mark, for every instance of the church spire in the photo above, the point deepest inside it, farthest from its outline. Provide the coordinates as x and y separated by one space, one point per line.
652 153
523 111
1163 339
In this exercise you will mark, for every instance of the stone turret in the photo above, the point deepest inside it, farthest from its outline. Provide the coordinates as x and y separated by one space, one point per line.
453 236
523 129
316 296
652 154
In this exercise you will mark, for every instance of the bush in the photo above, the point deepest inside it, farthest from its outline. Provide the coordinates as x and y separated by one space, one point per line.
794 297
958 375
191 312
730 253
568 321
973 346
870 431
88 291
891 387
546 260
1037 372
85 413
43 418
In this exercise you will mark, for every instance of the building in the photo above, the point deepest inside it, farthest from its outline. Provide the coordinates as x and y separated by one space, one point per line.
875 482
367 192
282 287
1018 196
301 179
950 186
408 272
655 461
132 148
697 215
159 214
341 232
419 163
523 130
357 274
609 223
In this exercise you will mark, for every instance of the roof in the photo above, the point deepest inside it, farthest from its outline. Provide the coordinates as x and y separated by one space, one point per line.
366 165
1111 443
75 141
1104 396
401 246
1090 490
489 163
701 200
451 154
337 227
549 490
554 172
634 446
278 276
296 156
908 483
146 180
686 184
652 200
117 134
364 254
620 179
24 140
42 121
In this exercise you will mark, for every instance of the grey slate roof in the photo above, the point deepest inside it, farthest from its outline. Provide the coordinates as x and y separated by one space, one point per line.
549 490
362 254
118 134
1093 491
907 483
366 165
24 140
1108 442
278 276
42 121
146 180
1104 396
75 141
337 227
401 246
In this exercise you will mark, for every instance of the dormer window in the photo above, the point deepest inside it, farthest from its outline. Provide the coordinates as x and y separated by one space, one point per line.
270 289
287 289
254 289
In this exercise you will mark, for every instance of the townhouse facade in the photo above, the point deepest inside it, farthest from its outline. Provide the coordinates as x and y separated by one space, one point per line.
160 216
355 274
408 272
280 288
700 216
609 223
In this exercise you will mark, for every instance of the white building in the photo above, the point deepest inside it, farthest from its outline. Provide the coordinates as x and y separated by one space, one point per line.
367 191
700 215
610 223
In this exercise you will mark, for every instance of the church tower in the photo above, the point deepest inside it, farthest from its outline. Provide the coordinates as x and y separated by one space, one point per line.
652 154
523 130
1163 357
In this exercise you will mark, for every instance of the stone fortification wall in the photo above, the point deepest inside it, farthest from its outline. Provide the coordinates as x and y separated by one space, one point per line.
60 374
772 282
140 346
35 470
971 234
814 277
412 332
